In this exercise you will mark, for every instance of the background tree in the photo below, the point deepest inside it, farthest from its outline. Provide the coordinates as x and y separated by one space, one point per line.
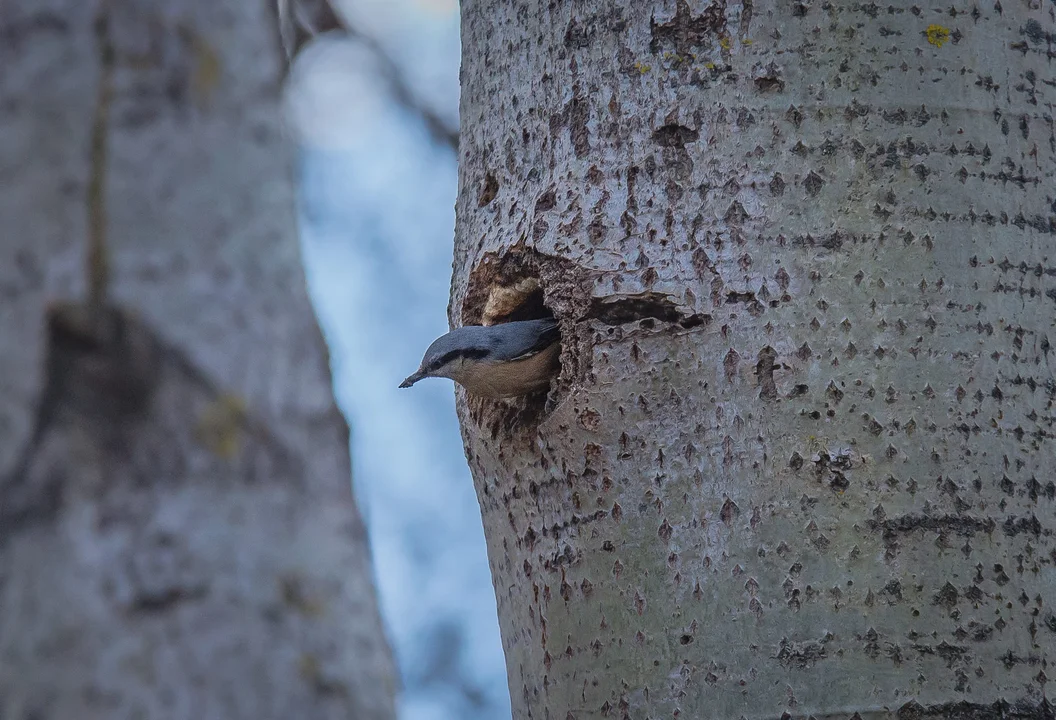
378 185
177 532
798 460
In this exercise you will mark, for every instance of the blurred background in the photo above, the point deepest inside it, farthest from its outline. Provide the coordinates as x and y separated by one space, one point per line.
374 112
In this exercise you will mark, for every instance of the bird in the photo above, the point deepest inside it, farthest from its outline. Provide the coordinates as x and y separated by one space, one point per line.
495 361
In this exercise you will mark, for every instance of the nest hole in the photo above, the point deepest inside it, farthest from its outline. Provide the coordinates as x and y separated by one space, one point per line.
523 299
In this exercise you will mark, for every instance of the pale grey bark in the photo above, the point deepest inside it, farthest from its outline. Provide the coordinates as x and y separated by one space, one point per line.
179 539
799 459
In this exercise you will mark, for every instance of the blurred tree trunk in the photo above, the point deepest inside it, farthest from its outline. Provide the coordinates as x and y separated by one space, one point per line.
178 537
804 254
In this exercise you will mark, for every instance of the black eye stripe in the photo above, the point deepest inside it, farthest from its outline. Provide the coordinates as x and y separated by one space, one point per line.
471 353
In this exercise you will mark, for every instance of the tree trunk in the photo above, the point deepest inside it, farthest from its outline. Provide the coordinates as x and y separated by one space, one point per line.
803 257
178 537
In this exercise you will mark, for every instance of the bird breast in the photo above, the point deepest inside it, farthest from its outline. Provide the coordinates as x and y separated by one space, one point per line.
509 379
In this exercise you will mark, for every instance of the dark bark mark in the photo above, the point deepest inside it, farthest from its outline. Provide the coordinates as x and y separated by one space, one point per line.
736 214
764 370
664 533
768 79
729 511
898 116
103 368
833 241
1014 526
577 113
557 531
783 279
674 135
1036 34
101 372
834 467
961 525
702 263
15 33
647 306
777 185
547 201
684 31
1010 660
162 599
947 596
892 592
813 183
769 83
802 655
729 364
949 653
24 502
577 36
632 176
539 229
746 17
964 710
530 538
489 191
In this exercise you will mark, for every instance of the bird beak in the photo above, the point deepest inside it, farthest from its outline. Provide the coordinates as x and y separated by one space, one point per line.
412 379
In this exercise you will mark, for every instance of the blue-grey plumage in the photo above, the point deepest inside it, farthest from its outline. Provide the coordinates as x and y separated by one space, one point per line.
496 361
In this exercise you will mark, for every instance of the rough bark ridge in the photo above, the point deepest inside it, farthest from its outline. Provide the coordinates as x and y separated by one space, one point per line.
799 459
177 532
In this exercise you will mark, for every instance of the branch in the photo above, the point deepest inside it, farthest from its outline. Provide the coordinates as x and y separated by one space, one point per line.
302 20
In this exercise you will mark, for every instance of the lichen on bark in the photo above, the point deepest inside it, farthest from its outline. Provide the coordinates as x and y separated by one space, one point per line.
178 536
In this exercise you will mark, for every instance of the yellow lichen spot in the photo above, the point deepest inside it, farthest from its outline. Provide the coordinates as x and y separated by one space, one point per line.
709 65
642 68
937 35
220 426
206 65
746 41
312 672
674 58
724 42
207 72
295 597
308 666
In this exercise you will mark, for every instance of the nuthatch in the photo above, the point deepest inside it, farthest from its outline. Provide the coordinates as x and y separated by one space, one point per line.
497 361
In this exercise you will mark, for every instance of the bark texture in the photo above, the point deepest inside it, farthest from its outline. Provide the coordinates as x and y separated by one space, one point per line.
178 537
799 459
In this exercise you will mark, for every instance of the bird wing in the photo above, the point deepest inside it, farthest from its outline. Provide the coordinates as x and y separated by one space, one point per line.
548 334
